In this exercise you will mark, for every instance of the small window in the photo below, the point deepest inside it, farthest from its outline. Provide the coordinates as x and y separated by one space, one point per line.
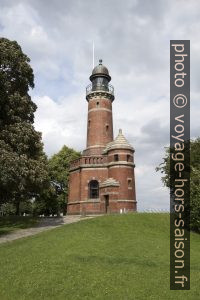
93 189
89 123
107 127
129 182
116 157
97 104
128 157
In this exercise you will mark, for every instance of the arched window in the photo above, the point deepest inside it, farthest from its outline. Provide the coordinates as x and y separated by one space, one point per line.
129 157
116 157
93 189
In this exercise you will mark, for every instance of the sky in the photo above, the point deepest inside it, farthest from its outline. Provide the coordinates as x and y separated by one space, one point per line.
132 37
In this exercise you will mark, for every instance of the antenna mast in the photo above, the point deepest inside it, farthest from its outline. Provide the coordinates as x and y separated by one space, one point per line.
93 55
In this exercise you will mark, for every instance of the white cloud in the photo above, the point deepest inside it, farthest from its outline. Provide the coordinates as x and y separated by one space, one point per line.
61 122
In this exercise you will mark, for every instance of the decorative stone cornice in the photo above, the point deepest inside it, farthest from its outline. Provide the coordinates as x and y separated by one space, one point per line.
109 182
100 94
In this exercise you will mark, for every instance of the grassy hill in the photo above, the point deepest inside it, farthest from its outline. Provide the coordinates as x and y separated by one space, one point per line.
111 257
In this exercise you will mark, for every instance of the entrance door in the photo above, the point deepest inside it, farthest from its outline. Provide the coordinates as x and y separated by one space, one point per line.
106 203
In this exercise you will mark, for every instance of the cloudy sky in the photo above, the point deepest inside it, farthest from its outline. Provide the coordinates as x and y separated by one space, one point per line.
132 37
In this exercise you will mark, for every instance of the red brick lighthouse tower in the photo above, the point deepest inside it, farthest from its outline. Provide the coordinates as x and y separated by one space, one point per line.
102 180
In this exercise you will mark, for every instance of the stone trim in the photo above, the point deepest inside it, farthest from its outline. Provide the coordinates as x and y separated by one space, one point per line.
84 201
76 202
97 167
121 200
100 94
117 164
76 169
119 147
88 167
94 99
98 201
95 146
90 201
109 193
121 164
99 108
118 152
109 185
109 182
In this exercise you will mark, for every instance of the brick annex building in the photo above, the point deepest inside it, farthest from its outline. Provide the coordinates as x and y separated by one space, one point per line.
102 180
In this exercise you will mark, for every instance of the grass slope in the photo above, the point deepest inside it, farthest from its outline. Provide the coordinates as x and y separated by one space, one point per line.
12 223
111 257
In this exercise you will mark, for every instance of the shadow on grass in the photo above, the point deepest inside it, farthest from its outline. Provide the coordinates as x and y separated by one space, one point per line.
10 223
111 260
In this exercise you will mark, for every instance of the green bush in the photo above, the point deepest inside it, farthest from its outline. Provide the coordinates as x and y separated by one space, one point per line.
7 209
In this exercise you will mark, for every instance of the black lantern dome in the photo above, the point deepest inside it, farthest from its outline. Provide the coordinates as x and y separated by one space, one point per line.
100 77
100 70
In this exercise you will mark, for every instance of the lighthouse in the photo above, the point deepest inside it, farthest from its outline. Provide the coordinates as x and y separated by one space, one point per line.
102 180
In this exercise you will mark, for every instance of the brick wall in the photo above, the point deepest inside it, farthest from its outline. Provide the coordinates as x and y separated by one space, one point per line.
99 124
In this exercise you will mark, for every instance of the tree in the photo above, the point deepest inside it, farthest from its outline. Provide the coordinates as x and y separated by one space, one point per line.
194 169
46 203
23 164
59 173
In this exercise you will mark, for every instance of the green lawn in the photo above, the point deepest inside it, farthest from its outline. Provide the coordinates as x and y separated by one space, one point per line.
111 257
12 223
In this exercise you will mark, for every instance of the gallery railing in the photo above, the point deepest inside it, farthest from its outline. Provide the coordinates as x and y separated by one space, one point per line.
88 160
99 87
